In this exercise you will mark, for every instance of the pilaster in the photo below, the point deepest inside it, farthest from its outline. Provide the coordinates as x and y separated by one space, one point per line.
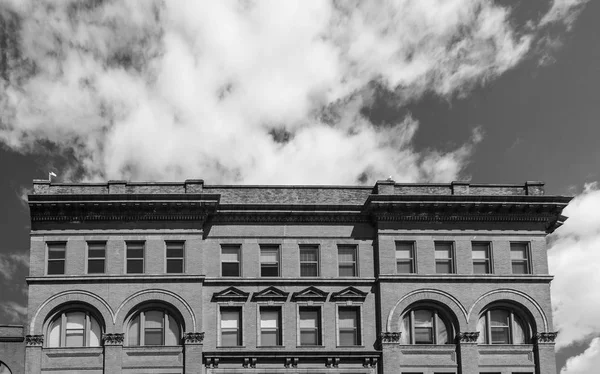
113 353
544 352
192 352
468 353
389 345
33 353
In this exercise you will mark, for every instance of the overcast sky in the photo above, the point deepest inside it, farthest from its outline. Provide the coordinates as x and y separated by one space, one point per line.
310 92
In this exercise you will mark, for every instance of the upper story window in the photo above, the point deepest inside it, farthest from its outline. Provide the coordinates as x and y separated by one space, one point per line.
231 326
153 327
270 326
175 257
56 258
347 264
519 257
75 328
309 260
309 325
349 333
481 258
405 257
231 260
96 258
502 325
425 326
135 257
444 258
269 261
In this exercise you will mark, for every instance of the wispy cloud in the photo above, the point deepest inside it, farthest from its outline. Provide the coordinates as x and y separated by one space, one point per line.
243 91
13 265
12 312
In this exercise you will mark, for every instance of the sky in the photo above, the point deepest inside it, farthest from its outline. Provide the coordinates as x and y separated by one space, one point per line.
310 92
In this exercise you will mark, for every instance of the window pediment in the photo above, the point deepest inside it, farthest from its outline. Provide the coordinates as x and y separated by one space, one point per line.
270 294
231 294
311 293
349 293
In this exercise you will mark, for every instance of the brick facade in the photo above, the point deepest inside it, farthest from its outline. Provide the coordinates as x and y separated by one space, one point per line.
372 220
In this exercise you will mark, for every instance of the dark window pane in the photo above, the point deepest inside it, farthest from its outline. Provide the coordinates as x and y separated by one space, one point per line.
347 271
423 335
269 270
348 337
95 266
443 267
404 267
230 338
174 266
230 269
56 251
308 270
308 254
135 266
480 268
269 338
74 338
56 267
96 253
174 249
500 335
135 250
308 337
153 337
520 268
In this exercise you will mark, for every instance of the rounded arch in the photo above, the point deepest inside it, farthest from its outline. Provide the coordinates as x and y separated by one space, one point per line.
533 310
130 305
4 369
53 303
444 300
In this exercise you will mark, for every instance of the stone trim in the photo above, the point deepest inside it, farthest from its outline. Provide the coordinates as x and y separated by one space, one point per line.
467 337
113 339
270 294
34 340
349 293
230 294
390 337
193 338
545 337
311 293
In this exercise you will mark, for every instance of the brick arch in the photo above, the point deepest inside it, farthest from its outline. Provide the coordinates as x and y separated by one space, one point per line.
521 299
68 297
451 304
159 296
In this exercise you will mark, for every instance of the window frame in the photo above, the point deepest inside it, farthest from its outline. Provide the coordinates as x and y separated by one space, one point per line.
88 258
488 260
512 311
238 247
319 310
359 323
317 263
270 247
437 313
62 315
527 259
354 247
451 259
64 259
412 260
143 258
166 313
280 328
241 329
182 258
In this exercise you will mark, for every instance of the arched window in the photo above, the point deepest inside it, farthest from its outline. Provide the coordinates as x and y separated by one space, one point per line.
74 328
153 327
502 325
425 326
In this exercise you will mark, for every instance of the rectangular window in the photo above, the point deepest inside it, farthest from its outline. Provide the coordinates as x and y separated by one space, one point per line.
347 261
135 257
270 326
175 257
309 261
96 257
56 258
481 258
269 260
310 325
230 261
231 326
444 258
405 257
349 325
519 257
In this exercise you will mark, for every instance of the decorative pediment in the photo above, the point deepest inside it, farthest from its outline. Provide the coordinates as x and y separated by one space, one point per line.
310 294
231 294
349 293
270 294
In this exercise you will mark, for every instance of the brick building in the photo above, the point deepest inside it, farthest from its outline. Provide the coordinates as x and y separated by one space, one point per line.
186 277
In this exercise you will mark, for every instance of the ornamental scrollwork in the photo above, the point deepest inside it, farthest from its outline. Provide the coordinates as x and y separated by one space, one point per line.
390 337
467 337
113 339
34 340
545 337
193 337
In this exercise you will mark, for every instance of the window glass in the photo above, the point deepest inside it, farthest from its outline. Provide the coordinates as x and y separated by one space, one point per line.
56 258
347 261
175 257
96 257
310 326
405 257
135 258
309 261
74 329
481 258
444 258
269 261
423 327
502 326
230 261
231 326
348 326
153 327
269 326
519 255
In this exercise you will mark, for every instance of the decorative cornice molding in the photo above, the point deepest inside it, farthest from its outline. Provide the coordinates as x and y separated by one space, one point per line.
311 293
231 294
34 340
349 294
300 217
467 337
270 294
545 337
388 337
193 337
113 339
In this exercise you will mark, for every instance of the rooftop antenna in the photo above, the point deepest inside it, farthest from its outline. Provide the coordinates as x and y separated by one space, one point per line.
50 175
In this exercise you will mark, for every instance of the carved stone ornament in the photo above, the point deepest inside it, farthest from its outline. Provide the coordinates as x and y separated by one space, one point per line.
193 337
291 361
467 337
390 337
211 362
113 339
34 340
545 337
370 361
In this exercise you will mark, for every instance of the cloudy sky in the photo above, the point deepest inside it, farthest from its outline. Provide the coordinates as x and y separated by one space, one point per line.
310 92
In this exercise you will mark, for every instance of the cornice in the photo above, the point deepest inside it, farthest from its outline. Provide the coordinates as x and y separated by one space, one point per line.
458 278
166 278
227 281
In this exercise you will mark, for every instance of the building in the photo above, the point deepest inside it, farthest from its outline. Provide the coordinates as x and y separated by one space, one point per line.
193 278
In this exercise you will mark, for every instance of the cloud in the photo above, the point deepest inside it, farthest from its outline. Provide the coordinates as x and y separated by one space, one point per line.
563 11
13 265
573 258
585 363
13 312
244 91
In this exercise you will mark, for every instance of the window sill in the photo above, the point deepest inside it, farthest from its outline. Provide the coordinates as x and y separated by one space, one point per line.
310 346
270 347
231 347
350 346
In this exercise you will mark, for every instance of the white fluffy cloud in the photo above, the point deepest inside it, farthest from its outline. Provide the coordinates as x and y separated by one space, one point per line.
585 363
244 91
12 264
